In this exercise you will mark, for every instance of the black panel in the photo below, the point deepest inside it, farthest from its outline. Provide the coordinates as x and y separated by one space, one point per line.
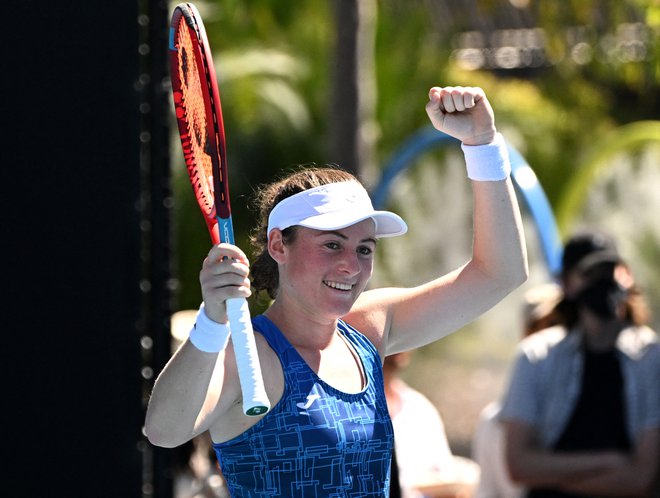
72 304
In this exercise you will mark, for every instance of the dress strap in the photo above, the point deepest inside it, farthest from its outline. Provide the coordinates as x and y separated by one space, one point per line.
271 333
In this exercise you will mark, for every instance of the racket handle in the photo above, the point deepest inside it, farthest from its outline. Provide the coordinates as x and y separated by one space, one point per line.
255 400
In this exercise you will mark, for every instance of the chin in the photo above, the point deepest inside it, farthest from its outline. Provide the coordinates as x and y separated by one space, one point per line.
336 309
342 311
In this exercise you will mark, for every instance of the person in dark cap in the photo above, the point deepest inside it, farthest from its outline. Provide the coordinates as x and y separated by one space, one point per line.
592 264
582 412
585 250
588 245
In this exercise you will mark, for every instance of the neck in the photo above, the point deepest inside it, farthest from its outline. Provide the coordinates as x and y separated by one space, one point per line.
601 335
302 329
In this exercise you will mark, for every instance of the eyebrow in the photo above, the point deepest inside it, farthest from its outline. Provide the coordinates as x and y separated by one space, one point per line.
342 236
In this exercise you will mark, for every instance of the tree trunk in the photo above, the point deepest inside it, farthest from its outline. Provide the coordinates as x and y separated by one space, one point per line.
352 115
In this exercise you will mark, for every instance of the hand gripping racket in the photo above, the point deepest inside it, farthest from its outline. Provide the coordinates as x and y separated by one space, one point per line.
199 118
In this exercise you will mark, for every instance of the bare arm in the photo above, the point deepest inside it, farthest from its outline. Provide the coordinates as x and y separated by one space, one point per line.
531 465
635 476
195 388
183 399
605 473
414 317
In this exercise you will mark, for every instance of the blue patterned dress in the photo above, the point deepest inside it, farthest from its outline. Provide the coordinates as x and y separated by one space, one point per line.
317 441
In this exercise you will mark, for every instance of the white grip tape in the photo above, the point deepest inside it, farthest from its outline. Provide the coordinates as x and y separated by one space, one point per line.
255 400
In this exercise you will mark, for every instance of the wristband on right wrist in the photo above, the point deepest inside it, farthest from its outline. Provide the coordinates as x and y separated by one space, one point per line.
207 335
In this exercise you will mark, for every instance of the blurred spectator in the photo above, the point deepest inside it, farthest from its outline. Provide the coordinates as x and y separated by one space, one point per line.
426 465
539 308
582 413
196 474
488 444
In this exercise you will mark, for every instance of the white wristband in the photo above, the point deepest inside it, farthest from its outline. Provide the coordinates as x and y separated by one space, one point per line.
207 335
488 162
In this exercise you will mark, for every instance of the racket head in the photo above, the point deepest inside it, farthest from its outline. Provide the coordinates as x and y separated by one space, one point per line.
199 118
198 113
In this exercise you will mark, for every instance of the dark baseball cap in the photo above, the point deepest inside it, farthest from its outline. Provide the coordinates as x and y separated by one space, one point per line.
586 249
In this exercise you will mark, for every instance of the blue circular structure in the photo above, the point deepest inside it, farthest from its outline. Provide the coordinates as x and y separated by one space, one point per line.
522 174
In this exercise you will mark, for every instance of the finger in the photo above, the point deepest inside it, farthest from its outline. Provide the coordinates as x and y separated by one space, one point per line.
447 98
434 93
219 288
434 105
226 266
221 251
468 98
215 294
459 96
226 287
472 97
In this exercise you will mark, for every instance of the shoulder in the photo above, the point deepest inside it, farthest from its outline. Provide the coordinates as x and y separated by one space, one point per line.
540 345
638 342
370 315
364 343
414 398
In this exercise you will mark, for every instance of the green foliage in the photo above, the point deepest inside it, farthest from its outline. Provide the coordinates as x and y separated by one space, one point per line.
275 60
626 137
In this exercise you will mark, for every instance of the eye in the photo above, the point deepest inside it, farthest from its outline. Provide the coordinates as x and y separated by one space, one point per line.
332 245
365 250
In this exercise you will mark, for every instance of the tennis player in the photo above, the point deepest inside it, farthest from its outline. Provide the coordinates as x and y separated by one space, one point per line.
322 341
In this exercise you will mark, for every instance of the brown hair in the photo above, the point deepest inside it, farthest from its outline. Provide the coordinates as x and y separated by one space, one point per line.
638 311
264 273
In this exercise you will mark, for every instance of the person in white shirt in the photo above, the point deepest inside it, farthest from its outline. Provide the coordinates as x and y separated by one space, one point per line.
425 461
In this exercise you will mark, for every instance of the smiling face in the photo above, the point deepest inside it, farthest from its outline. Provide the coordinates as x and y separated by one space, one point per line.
322 273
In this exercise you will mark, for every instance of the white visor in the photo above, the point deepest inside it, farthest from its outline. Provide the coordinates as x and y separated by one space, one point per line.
331 207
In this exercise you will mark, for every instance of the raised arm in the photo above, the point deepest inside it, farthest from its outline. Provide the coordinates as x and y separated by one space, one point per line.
403 319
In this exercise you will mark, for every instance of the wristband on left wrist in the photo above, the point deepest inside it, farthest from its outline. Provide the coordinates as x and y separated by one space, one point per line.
488 162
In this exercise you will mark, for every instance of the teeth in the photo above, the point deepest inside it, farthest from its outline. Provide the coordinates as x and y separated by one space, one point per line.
337 285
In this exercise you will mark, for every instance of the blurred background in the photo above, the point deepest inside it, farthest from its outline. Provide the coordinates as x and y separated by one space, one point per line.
576 90
111 243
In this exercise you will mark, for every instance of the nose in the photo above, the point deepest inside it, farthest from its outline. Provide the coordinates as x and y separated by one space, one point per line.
350 263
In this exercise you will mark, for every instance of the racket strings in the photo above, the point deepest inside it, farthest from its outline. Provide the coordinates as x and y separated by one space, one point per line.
219 139
197 147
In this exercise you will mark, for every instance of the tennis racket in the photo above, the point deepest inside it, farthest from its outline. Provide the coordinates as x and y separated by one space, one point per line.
199 118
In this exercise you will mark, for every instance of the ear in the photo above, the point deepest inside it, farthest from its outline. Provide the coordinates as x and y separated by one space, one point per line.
276 246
